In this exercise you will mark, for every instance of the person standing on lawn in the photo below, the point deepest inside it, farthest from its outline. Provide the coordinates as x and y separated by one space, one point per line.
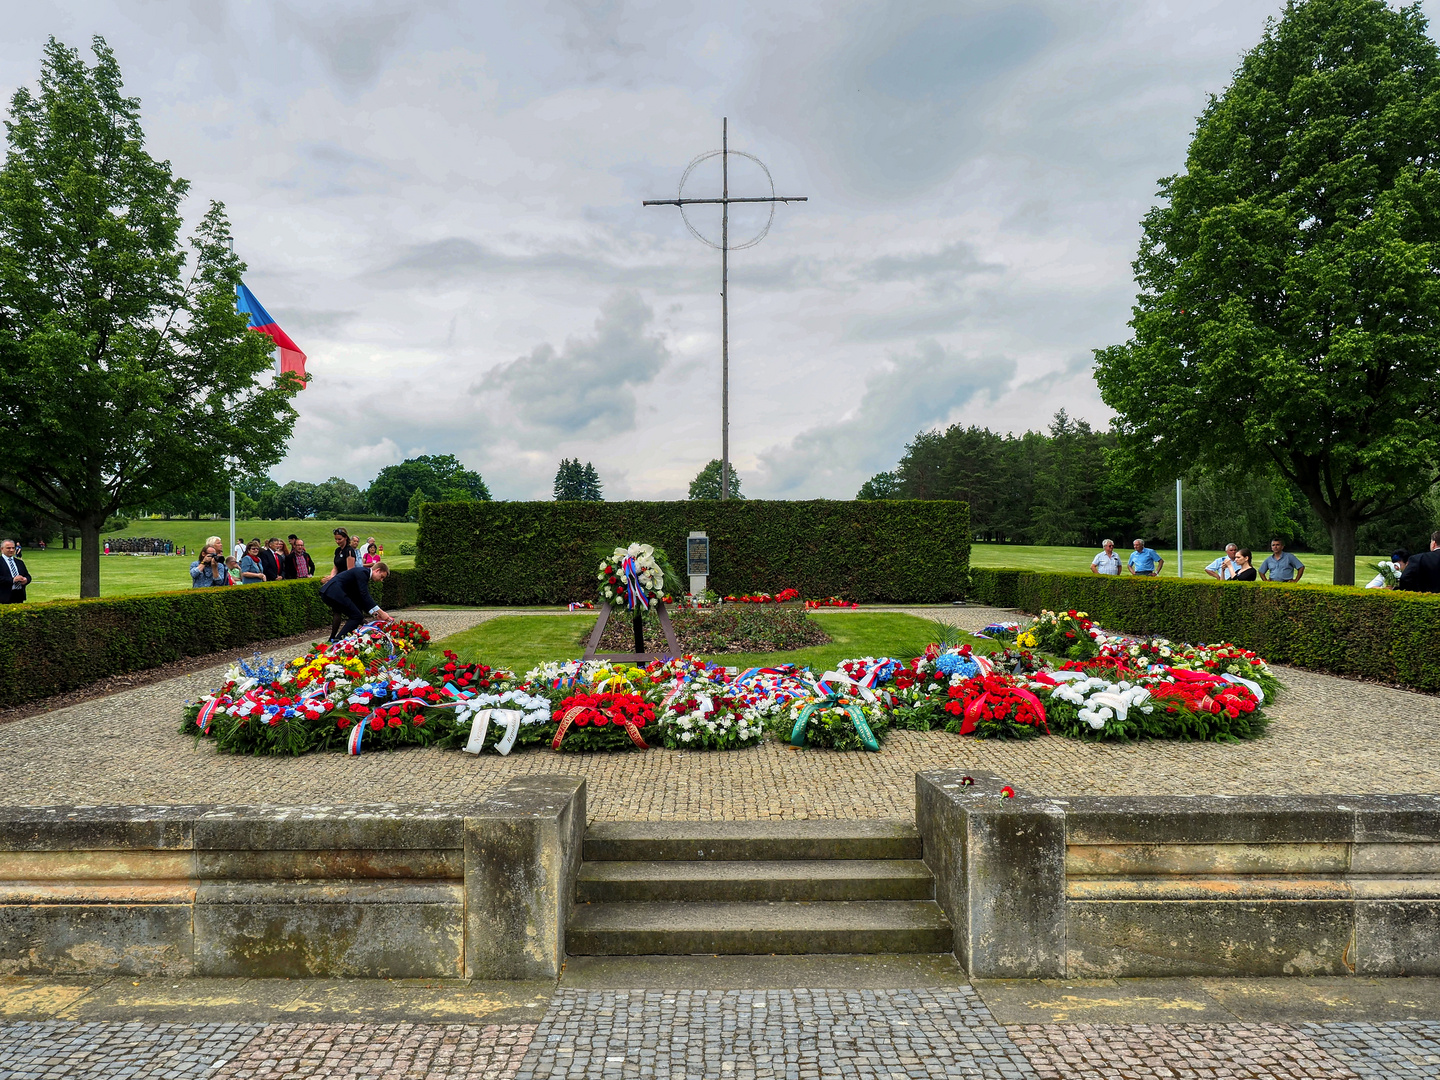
1225 567
1281 565
1106 561
344 554
347 594
14 575
298 564
1144 561
1243 570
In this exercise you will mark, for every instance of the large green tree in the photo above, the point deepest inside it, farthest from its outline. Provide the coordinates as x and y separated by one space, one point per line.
707 483
1290 277
398 490
577 483
125 372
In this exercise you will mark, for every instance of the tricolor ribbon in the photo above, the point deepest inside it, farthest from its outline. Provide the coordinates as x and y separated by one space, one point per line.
207 713
635 596
357 733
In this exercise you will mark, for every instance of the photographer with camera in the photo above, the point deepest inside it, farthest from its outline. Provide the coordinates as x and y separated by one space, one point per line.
209 569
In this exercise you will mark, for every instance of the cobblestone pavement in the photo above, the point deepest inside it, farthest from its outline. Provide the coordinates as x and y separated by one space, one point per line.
40 1051
735 1034
1327 735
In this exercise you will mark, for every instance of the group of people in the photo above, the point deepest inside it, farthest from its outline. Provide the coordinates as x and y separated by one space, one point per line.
1234 565
345 588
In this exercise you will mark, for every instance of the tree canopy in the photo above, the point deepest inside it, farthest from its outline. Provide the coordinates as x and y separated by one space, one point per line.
1290 277
398 490
125 371
577 483
706 484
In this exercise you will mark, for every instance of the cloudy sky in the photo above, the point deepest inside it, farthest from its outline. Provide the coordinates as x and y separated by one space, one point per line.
441 203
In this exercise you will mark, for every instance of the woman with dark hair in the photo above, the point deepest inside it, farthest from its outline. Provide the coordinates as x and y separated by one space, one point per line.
252 570
344 554
1246 571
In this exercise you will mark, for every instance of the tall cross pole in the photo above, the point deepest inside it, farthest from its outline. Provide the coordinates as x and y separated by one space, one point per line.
724 203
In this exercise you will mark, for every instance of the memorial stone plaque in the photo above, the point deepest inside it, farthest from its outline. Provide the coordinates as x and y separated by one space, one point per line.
697 550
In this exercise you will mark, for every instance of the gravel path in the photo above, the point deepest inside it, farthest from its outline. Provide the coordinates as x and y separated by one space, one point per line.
1327 735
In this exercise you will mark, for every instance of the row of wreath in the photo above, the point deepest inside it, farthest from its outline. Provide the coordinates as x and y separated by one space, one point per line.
366 693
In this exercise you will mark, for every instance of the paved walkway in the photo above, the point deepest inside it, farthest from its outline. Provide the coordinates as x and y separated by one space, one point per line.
1328 735
686 1033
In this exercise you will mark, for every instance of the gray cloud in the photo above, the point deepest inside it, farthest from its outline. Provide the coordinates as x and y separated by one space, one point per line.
912 392
589 385
354 45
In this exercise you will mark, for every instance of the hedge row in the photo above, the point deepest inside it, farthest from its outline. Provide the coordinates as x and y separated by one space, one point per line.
902 551
51 648
1366 633
401 589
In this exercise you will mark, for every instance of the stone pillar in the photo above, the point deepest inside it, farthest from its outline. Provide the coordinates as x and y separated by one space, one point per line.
999 866
522 854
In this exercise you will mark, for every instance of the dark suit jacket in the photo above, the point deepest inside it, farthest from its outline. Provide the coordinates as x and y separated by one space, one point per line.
270 564
291 570
12 594
1421 573
354 585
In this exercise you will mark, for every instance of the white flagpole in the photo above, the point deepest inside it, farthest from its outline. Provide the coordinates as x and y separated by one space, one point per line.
1179 532
229 551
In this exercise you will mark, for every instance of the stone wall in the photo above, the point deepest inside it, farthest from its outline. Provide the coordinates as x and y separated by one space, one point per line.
368 890
1105 887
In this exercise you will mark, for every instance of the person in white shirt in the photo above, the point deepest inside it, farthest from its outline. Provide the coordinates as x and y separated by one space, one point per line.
1225 567
1398 559
1106 562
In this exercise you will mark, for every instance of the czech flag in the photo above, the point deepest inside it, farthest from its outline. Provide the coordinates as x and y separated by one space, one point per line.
291 358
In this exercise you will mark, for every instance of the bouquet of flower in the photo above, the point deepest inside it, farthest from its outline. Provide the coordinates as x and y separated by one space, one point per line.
995 707
1065 633
469 677
922 689
1388 573
1095 708
1017 661
829 601
458 720
1227 659
601 721
1216 711
630 578
842 719
704 717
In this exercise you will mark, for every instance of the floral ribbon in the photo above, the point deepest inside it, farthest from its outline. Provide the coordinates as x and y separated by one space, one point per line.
829 699
578 710
635 596
974 709
207 713
480 727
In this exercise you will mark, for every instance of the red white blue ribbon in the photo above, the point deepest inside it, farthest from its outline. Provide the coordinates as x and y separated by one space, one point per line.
635 595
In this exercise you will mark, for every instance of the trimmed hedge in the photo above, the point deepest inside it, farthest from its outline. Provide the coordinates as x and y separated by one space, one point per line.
512 553
1366 633
51 648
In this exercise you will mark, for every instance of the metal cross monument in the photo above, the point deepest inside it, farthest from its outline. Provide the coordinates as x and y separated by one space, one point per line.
725 248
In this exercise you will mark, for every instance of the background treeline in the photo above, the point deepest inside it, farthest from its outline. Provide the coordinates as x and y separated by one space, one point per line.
1067 485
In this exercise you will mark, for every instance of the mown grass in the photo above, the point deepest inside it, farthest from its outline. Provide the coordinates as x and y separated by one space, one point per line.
1319 569
56 571
519 642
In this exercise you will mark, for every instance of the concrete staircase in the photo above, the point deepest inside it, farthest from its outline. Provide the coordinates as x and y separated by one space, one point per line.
755 888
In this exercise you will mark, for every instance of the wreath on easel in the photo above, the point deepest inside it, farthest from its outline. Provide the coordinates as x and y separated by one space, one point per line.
631 579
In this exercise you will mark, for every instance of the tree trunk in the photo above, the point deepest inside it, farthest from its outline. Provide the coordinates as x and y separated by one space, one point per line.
89 557
1342 542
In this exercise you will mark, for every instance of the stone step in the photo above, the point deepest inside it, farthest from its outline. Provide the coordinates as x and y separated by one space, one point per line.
729 841
805 879
758 928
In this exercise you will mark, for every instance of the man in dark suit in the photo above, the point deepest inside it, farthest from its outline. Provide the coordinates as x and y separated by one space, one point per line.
1422 572
347 594
272 559
14 575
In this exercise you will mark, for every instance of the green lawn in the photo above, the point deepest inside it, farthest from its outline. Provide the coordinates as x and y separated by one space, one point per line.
57 571
519 642
1319 569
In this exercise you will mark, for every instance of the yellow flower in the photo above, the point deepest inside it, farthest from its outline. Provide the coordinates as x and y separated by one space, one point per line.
1027 640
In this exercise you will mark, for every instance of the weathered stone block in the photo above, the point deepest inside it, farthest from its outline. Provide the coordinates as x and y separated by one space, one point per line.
1209 819
1113 939
93 828
113 864
1395 818
372 827
396 930
1015 879
522 854
1175 858
1397 937
420 863
93 939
